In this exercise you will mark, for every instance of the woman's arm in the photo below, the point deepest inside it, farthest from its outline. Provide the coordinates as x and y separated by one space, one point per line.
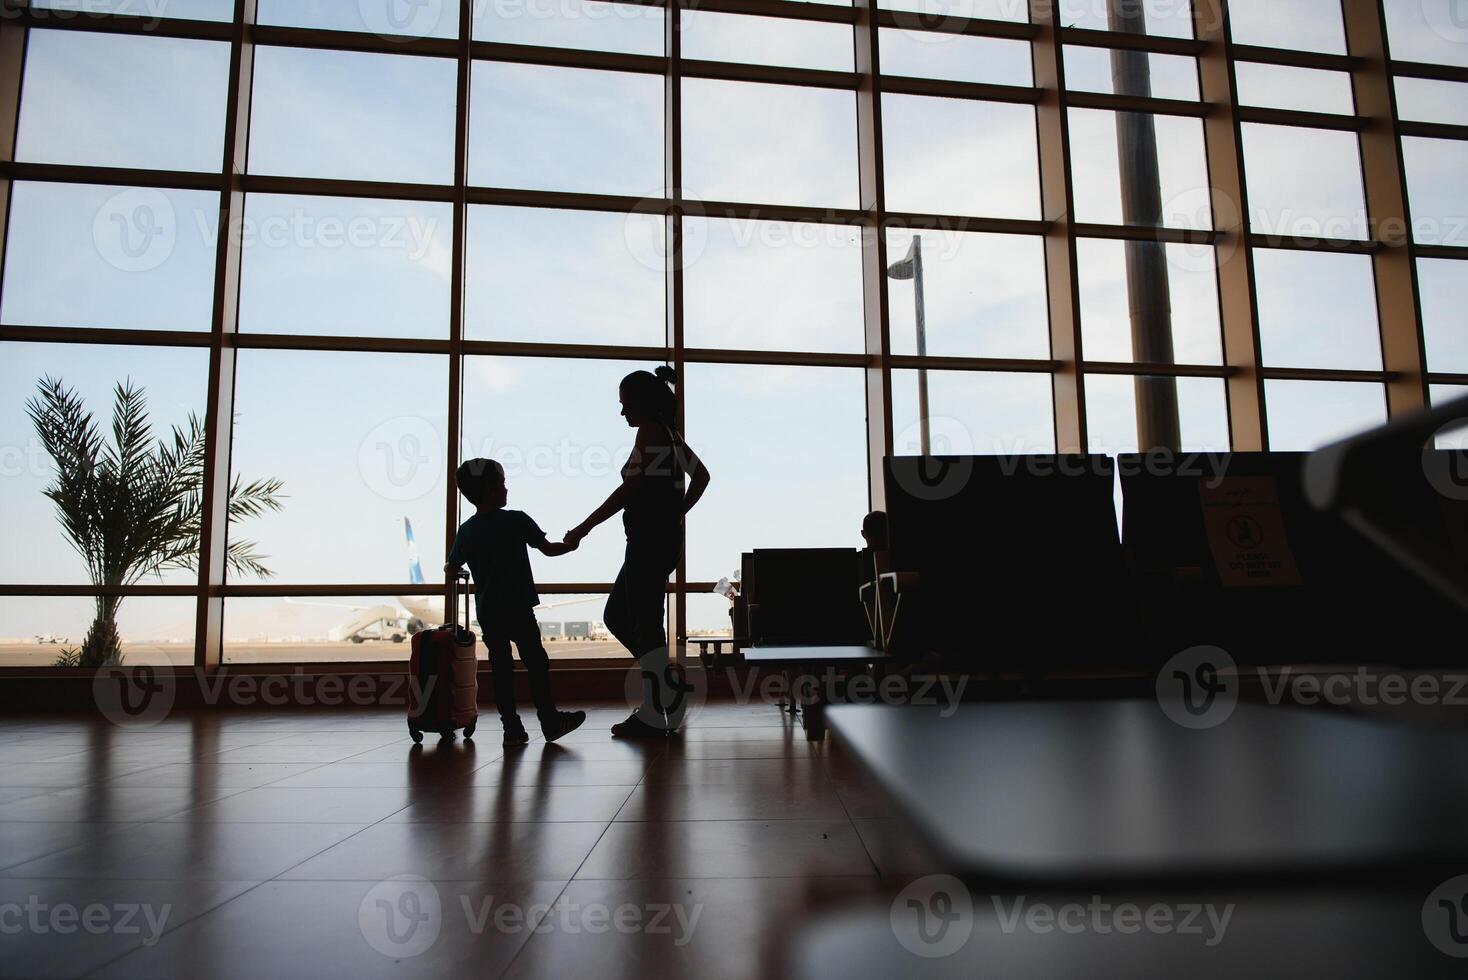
698 478
618 498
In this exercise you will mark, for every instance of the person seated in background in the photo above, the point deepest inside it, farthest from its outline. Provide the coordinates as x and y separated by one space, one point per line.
493 542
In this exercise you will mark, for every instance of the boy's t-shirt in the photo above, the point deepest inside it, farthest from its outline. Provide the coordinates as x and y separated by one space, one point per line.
493 544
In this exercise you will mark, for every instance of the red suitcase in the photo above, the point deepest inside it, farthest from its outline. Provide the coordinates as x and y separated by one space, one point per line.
445 664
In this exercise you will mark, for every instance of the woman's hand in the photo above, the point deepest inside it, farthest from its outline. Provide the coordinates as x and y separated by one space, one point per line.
574 536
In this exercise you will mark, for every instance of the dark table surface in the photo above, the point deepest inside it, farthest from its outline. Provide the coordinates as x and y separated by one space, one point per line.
1113 791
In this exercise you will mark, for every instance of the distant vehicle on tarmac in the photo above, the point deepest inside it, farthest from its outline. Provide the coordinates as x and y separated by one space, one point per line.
580 630
551 631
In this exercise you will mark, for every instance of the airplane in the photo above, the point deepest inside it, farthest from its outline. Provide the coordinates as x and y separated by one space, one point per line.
412 614
51 639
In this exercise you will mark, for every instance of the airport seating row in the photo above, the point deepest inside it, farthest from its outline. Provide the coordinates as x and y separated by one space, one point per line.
1020 563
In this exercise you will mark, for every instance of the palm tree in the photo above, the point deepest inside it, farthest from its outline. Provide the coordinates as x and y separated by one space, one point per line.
132 507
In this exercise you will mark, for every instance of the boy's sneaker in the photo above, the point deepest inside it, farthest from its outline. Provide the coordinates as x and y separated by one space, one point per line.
635 727
564 723
515 736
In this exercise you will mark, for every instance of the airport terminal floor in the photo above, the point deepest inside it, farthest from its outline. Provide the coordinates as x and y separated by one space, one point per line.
299 844
324 844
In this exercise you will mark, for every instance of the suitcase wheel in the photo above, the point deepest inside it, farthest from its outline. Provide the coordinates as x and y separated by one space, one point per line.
469 728
447 734
415 733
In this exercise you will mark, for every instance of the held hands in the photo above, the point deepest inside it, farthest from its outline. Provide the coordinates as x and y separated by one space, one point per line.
574 536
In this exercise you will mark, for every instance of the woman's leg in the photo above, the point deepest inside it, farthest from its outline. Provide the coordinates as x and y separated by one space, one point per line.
648 591
618 614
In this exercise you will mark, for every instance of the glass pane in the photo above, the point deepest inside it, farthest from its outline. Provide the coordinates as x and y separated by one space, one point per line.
1305 415
973 413
358 447
768 144
982 295
1111 412
956 57
710 614
1317 310
391 19
1456 437
1431 100
772 285
1300 89
805 486
325 629
934 12
352 115
1109 301
216 10
48 631
345 266
565 277
145 256
566 129
34 548
555 425
1434 31
627 28
1172 76
1322 201
1300 25
346 629
1168 18
1443 287
112 100
956 156
1439 200
1181 187
711 36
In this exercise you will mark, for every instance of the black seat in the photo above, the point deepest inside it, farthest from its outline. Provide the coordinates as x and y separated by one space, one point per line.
805 596
1236 557
1015 560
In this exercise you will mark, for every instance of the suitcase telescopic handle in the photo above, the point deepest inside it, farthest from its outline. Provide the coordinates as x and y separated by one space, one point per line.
458 585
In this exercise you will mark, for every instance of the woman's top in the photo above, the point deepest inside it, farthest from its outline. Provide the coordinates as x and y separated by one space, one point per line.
654 507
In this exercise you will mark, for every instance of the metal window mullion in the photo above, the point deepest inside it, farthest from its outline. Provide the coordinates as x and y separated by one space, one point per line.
673 230
1238 306
1057 203
13 37
1387 206
458 279
219 415
866 40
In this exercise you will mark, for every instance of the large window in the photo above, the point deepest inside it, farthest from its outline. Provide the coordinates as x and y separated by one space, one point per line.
385 247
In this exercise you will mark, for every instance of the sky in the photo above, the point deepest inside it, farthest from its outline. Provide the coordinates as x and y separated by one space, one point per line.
358 438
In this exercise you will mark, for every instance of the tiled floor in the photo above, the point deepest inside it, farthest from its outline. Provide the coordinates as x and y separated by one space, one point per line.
309 844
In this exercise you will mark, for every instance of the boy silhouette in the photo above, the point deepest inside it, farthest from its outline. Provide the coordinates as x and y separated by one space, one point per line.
493 542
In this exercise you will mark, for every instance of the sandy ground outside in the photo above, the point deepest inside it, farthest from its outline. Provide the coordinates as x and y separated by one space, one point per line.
182 655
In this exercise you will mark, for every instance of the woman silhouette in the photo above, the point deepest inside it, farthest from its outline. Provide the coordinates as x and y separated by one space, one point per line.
662 480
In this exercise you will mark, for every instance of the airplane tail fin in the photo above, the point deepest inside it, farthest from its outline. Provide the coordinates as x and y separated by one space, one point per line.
415 569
